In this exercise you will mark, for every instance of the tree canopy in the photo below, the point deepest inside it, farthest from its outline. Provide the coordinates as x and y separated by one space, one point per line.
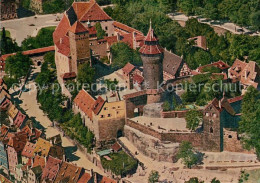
153 176
187 154
7 44
100 32
18 65
249 125
86 74
193 119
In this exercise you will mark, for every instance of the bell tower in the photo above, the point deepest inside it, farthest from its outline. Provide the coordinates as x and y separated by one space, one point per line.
152 55
79 46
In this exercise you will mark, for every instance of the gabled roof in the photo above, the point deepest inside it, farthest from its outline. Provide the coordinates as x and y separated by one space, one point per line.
39 161
12 111
219 64
37 170
20 118
42 147
77 27
98 105
138 79
69 172
128 68
81 7
57 151
95 13
85 178
125 28
51 169
62 29
171 63
18 141
85 102
116 147
28 150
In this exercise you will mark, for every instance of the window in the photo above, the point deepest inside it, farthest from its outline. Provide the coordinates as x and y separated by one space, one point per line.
105 108
102 116
211 130
106 28
230 136
109 115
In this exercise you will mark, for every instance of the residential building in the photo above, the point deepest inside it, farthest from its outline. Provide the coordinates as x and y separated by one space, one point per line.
42 147
3 158
105 119
34 175
28 152
248 74
51 169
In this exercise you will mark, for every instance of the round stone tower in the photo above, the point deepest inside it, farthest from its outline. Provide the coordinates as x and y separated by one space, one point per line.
152 55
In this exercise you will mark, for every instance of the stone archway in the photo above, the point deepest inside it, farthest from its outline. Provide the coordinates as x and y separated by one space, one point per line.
119 134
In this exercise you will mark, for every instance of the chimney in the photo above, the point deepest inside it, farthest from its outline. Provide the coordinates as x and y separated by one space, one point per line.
89 24
246 74
219 103
134 40
61 40
45 159
64 157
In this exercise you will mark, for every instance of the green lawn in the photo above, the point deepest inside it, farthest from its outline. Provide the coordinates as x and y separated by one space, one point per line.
51 28
121 163
7 33
254 176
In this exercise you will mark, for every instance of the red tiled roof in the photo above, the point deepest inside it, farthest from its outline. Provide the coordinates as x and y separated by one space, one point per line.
152 48
116 147
111 40
18 141
95 13
51 169
38 161
126 28
68 172
219 64
235 99
77 27
19 119
92 30
28 150
85 102
215 102
30 52
128 68
62 29
107 180
5 103
81 7
137 78
63 45
98 105
68 75
84 178
27 130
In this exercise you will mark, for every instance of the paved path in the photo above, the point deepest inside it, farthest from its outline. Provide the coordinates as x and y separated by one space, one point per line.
182 175
30 105
227 26
29 26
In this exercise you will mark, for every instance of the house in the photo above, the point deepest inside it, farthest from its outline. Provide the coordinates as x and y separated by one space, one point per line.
4 103
248 74
20 120
34 175
105 119
172 65
86 178
51 169
3 158
15 147
116 147
132 75
219 64
221 116
12 111
4 92
38 161
42 147
56 140
19 173
69 173
28 152
3 84
4 179
57 151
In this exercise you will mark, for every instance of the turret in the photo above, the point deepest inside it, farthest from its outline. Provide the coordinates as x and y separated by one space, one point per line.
152 55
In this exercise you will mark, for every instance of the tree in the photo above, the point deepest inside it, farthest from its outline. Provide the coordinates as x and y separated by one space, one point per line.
187 154
18 65
153 176
100 32
122 54
7 44
215 181
249 125
111 85
50 59
166 106
85 74
255 20
212 69
194 180
193 119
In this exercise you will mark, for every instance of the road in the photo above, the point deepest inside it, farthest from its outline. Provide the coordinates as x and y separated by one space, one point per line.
32 108
29 26
227 26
